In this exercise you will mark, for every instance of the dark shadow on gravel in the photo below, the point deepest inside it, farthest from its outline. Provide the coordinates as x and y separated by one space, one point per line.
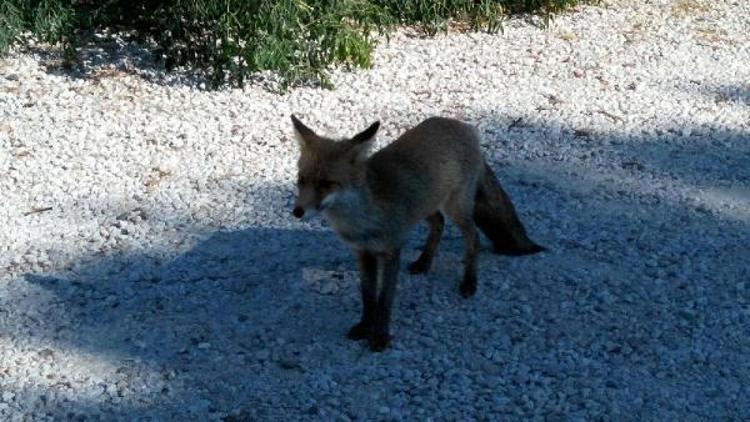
721 93
641 308
217 309
107 55
651 292
706 158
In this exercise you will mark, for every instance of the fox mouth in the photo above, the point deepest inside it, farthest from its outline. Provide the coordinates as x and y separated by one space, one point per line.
327 202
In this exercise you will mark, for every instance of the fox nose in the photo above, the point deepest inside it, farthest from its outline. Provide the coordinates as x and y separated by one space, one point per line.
298 212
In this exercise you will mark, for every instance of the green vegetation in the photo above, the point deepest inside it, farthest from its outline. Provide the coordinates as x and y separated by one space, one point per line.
230 38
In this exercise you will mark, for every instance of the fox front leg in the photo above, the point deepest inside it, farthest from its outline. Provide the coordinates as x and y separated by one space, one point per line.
369 284
388 264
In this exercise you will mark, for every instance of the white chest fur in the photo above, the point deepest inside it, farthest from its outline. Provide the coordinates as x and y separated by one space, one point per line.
356 221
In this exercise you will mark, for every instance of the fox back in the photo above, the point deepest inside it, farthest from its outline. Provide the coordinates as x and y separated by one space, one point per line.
372 202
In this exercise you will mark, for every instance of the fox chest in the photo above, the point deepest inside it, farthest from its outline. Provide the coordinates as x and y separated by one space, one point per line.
360 236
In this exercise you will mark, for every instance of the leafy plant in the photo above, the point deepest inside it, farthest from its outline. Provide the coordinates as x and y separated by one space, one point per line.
229 39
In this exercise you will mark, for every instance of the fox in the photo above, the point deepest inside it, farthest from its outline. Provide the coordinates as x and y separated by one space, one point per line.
372 201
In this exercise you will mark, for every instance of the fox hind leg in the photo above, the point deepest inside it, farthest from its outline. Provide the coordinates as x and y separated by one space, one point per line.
436 222
460 209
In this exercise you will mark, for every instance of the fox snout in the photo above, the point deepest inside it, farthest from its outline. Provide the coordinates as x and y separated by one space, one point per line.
306 202
306 205
310 205
306 209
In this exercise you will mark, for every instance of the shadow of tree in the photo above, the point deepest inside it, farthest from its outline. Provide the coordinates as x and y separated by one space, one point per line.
721 94
102 55
215 309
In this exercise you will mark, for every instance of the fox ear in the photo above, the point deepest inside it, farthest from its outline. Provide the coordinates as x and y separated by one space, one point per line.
362 142
305 136
367 134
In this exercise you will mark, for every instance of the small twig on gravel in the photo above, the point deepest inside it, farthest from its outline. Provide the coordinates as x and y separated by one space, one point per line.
582 133
37 210
611 116
516 123
554 99
153 181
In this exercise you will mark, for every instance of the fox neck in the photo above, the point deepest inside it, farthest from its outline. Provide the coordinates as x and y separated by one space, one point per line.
349 200
351 212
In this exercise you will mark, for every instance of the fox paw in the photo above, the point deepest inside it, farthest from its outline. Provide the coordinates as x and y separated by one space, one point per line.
468 288
378 341
359 331
419 266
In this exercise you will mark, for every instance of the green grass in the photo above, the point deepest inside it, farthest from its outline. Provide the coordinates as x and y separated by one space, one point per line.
228 39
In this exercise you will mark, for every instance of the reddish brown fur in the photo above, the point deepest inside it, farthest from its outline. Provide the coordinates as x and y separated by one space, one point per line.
372 203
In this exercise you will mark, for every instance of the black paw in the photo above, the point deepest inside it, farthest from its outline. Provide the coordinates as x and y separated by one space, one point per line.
419 266
359 331
379 341
468 287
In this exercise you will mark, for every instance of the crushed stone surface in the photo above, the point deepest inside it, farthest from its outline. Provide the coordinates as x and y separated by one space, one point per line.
150 267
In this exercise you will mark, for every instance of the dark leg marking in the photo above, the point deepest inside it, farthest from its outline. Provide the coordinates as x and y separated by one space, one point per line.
388 264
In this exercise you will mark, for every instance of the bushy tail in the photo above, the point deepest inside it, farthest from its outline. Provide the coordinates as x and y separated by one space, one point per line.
495 216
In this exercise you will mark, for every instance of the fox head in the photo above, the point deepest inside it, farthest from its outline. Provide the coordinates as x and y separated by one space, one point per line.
327 167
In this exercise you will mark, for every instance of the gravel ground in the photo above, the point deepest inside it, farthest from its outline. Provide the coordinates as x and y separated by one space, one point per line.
151 268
